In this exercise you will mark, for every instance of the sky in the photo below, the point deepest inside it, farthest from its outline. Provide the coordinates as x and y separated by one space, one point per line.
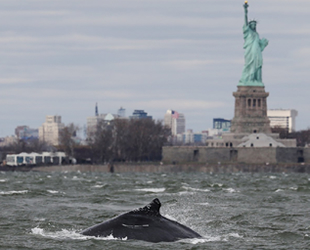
62 57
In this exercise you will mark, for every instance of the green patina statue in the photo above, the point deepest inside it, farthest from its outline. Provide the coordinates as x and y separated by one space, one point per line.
252 71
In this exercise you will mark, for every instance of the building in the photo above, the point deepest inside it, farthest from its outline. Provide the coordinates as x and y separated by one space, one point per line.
93 121
283 118
50 129
25 132
220 123
176 121
190 138
140 114
121 112
7 141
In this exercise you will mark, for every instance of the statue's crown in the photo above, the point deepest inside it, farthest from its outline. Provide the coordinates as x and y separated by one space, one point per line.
253 21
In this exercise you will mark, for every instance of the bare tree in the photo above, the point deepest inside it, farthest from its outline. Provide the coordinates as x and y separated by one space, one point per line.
128 140
68 140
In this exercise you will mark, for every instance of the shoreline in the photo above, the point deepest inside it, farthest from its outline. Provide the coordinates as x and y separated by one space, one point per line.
158 168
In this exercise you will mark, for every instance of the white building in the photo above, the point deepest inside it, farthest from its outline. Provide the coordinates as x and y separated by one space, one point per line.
260 141
283 118
189 137
7 141
49 131
92 121
175 121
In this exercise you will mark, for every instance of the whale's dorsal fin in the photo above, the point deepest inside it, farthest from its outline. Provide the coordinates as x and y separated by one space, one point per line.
152 208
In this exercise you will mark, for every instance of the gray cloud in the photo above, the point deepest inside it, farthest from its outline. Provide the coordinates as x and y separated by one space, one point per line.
61 57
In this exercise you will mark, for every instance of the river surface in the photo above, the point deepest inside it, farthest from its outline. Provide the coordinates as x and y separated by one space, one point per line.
231 211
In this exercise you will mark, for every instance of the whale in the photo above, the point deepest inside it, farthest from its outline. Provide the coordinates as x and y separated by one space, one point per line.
146 224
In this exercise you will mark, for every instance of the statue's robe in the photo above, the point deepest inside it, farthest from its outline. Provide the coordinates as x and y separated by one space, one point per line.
252 71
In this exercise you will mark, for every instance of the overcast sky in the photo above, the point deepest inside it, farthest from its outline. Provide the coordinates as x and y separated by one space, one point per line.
62 56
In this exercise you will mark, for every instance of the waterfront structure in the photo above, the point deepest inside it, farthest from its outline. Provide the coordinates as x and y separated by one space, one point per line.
36 159
50 129
175 121
140 114
283 118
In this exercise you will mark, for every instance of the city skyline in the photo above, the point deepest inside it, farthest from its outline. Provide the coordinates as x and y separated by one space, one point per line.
60 58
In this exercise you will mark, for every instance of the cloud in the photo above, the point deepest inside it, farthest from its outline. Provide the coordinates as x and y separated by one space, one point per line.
7 81
178 104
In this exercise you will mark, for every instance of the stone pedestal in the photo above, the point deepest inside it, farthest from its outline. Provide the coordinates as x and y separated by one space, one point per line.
250 111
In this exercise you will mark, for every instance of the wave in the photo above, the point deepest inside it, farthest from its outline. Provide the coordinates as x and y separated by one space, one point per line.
195 189
230 190
152 190
13 192
54 192
205 239
69 234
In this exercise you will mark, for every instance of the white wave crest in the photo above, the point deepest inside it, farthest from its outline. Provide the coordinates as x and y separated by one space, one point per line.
152 190
13 192
195 189
204 239
2 180
53 191
231 190
279 190
69 234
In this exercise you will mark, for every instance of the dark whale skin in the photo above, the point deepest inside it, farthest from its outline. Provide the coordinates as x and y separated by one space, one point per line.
145 224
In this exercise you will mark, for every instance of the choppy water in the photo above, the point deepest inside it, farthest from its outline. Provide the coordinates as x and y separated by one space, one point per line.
231 211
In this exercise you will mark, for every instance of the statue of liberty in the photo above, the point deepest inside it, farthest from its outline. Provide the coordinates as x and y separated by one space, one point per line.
252 71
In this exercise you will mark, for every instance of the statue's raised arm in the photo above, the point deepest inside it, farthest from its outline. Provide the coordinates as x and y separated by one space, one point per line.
253 58
246 13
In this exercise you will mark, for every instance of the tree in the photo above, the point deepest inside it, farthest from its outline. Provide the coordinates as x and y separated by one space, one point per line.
100 142
68 140
128 140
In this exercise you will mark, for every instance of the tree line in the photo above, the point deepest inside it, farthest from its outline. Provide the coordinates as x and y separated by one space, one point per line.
117 140
128 140
122 140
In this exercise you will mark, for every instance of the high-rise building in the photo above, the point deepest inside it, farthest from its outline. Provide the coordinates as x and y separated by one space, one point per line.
175 121
140 114
283 118
49 131
25 132
93 121
121 112
220 123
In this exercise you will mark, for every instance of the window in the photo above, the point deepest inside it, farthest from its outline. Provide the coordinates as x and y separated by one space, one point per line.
249 102
254 102
259 103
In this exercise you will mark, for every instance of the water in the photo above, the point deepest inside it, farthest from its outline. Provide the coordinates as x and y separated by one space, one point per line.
230 211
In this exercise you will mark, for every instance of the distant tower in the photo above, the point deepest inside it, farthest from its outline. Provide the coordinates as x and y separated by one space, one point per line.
175 121
121 112
96 110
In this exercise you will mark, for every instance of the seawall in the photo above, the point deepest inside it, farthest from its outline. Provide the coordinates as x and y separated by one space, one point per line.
157 168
